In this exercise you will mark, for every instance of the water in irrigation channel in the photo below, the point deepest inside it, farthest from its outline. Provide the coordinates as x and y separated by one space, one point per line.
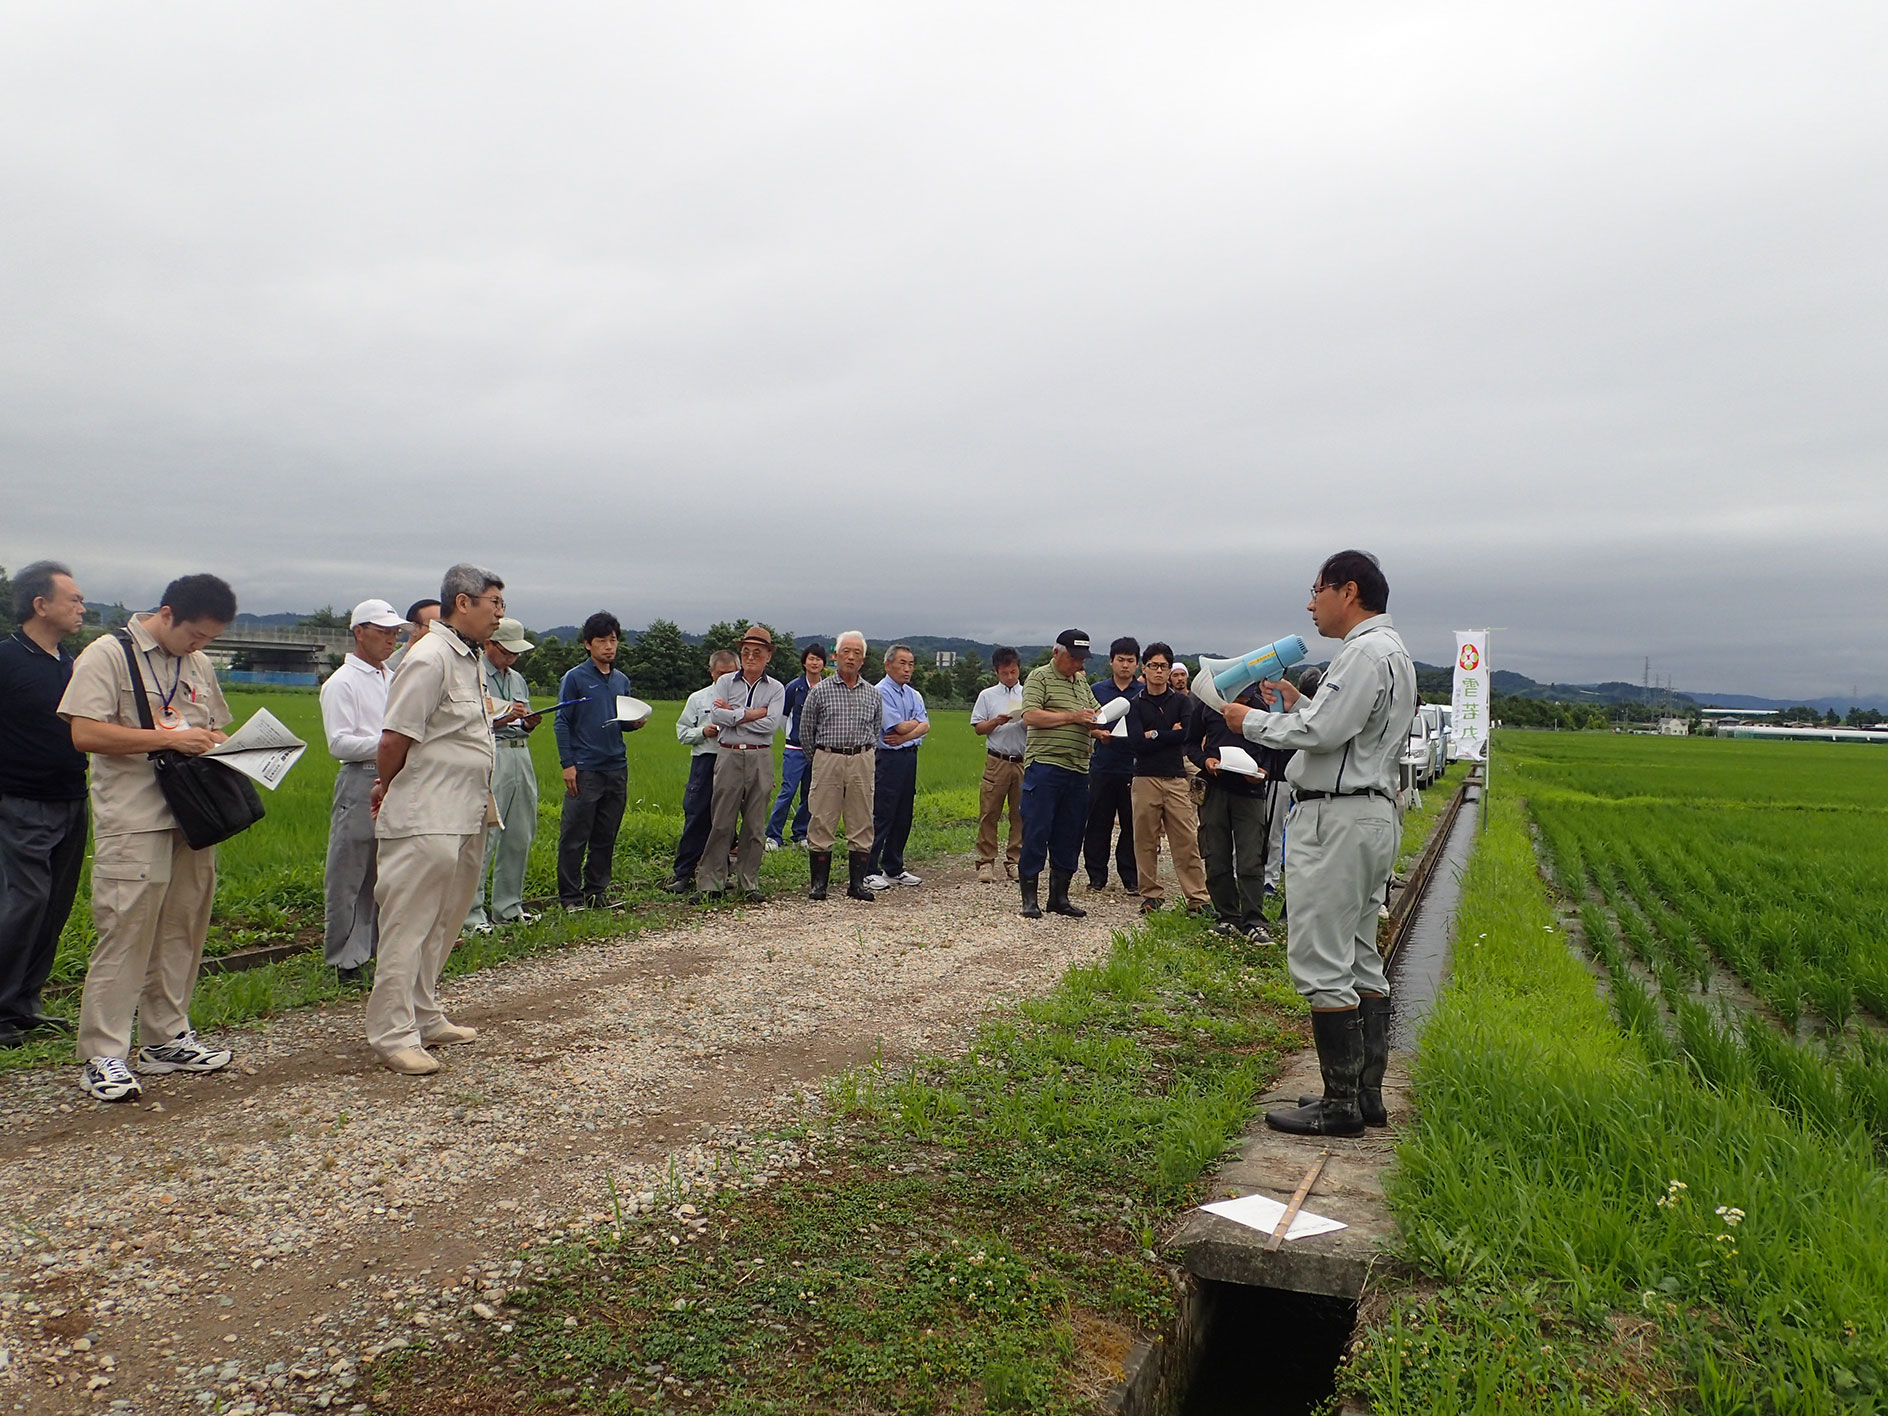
1422 963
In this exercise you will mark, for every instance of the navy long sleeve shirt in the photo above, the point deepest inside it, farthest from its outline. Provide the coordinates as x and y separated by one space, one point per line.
589 737
1114 755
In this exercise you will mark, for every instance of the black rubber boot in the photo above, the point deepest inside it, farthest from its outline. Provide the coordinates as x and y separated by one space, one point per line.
1031 909
1373 1012
1059 894
1340 1039
820 863
857 869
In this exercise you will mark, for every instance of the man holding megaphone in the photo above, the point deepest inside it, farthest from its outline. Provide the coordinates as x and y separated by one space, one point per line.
1342 835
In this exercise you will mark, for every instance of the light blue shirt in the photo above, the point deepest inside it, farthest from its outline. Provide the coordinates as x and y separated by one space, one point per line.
688 727
902 703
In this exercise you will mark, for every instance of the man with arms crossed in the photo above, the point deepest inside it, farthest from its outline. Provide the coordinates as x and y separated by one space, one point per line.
840 726
895 788
1059 710
1344 835
792 759
514 781
748 707
997 718
353 709
1158 727
694 730
151 893
42 796
432 803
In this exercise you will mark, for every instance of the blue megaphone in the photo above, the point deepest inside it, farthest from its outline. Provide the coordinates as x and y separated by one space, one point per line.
1219 681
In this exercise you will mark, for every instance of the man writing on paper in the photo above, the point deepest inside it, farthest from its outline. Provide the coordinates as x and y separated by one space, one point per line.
432 803
353 710
514 781
42 796
694 731
748 708
997 718
1059 710
596 768
151 893
1344 833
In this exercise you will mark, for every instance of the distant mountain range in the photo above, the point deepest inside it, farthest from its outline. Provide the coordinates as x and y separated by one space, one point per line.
1432 678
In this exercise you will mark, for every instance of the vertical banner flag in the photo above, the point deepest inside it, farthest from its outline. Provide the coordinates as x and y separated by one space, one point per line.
1468 716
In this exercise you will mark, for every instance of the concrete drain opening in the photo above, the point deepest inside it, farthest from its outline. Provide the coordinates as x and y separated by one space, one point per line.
1266 1351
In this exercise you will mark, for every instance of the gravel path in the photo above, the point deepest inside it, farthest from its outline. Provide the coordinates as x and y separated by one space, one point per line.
260 1236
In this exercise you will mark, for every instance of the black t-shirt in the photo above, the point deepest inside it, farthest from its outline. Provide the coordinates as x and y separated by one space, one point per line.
37 758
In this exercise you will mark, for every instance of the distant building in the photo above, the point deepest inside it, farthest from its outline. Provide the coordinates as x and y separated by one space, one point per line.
1674 727
947 658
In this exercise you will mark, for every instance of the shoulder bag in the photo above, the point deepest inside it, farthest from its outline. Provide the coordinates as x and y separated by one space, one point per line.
210 801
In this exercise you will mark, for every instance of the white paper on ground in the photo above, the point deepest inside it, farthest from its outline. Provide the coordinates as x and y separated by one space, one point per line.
261 749
1233 758
631 710
1258 1212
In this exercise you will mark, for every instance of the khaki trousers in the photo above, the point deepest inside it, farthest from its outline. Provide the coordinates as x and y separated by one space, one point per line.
1002 782
425 886
151 898
1164 805
744 787
842 786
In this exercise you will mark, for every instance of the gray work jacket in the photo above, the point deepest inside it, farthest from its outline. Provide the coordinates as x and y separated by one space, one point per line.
1350 736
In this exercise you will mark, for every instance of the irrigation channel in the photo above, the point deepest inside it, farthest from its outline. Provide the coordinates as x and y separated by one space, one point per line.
1261 1326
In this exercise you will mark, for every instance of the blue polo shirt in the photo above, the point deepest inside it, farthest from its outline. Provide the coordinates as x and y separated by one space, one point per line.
589 737
900 703
1114 755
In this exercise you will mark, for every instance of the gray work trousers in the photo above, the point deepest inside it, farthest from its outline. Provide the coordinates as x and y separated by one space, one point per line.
508 846
42 847
353 920
744 784
1342 849
1233 844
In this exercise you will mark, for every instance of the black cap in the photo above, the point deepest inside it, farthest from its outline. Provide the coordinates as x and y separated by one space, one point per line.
1075 641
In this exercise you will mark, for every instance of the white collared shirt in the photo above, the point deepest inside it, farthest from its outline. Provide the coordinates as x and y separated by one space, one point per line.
994 702
353 707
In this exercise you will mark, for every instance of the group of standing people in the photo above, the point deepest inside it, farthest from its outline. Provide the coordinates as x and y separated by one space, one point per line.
436 793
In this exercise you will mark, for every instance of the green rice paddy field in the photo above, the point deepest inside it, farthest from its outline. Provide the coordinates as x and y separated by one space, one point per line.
1647 1173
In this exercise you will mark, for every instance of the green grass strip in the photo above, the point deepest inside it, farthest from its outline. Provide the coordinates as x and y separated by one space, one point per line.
1560 1194
977 1235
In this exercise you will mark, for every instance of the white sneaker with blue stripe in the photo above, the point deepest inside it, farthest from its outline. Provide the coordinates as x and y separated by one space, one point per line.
182 1053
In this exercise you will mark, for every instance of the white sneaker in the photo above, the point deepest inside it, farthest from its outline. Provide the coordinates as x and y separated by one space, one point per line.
772 845
907 879
108 1079
484 927
183 1053
876 882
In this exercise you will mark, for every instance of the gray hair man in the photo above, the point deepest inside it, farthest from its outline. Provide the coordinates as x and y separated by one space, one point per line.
748 708
353 707
840 726
1344 832
42 795
514 781
432 801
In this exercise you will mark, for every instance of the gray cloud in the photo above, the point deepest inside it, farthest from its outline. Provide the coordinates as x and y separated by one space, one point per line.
964 320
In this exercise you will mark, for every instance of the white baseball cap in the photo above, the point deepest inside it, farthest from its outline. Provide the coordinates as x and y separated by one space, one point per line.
375 612
510 635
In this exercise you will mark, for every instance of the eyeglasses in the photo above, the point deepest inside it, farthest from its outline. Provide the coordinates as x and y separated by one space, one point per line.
1320 588
1158 668
498 601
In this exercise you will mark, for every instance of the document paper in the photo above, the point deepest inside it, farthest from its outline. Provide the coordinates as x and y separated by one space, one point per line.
1258 1212
262 749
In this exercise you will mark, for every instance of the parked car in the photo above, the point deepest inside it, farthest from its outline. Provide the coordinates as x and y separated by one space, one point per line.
1419 757
1438 717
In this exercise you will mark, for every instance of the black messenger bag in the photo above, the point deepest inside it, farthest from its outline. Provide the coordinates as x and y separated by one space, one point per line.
210 801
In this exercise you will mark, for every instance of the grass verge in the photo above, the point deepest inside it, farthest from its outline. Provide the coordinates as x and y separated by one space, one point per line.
1594 1227
978 1234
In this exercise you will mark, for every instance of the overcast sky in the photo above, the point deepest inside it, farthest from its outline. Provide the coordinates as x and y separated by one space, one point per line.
962 319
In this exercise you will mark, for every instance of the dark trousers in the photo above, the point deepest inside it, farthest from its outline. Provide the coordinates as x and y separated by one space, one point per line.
1234 837
793 778
1055 806
894 789
1110 802
42 846
591 820
698 800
